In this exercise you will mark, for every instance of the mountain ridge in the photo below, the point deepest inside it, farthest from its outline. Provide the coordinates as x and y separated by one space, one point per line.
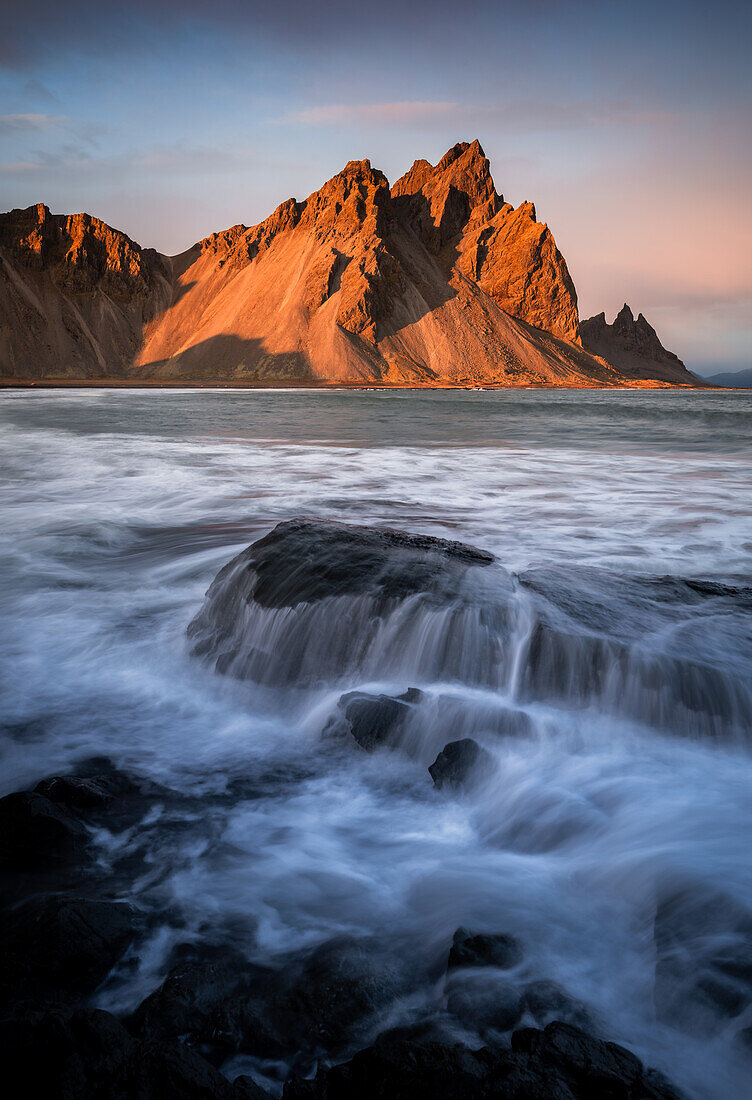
433 281
632 345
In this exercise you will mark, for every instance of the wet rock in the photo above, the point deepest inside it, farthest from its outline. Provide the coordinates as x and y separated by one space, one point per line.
303 561
458 762
96 793
241 1023
194 988
47 827
481 949
484 1003
318 1003
64 946
560 1063
374 721
89 1053
340 987
400 1069
655 648
35 831
703 975
546 1001
308 601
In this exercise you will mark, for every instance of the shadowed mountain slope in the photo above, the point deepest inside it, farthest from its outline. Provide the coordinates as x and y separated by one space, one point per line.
436 281
633 347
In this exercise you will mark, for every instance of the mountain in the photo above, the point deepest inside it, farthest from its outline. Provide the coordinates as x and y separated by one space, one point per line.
633 347
75 296
434 281
742 379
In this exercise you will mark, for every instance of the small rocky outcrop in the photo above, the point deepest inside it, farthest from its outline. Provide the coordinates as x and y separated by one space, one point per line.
375 721
481 949
633 347
459 762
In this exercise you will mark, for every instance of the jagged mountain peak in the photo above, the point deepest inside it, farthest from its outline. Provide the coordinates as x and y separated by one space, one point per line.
434 281
632 345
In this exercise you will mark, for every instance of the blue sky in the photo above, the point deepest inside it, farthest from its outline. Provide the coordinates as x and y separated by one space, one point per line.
627 124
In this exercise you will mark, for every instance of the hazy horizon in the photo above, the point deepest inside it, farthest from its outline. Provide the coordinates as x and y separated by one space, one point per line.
628 128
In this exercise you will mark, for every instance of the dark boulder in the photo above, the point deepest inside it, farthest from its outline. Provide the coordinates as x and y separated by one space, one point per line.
560 1063
483 1003
334 586
317 1003
69 1055
64 946
95 793
306 560
34 831
195 987
481 949
375 721
458 762
399 1069
546 1001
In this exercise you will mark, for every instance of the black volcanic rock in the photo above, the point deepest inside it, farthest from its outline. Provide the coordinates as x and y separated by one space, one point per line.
69 1055
330 586
483 949
458 762
374 721
303 561
34 830
64 945
560 1063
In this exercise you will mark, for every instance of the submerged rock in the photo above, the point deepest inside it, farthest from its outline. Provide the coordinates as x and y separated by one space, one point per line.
484 1003
703 974
546 1001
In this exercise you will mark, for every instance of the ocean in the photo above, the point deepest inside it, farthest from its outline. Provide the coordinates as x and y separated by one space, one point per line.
622 520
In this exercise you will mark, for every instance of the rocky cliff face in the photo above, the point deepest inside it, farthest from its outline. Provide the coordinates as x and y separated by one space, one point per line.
510 255
633 347
74 295
435 281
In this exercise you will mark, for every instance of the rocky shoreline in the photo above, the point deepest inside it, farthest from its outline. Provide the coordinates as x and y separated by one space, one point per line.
475 1015
325 1012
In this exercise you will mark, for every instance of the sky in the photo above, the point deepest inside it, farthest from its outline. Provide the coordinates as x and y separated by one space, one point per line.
628 124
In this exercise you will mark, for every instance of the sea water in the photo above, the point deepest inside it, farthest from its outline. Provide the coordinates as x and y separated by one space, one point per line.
118 509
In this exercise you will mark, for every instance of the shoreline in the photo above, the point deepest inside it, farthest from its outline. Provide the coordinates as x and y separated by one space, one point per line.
312 387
